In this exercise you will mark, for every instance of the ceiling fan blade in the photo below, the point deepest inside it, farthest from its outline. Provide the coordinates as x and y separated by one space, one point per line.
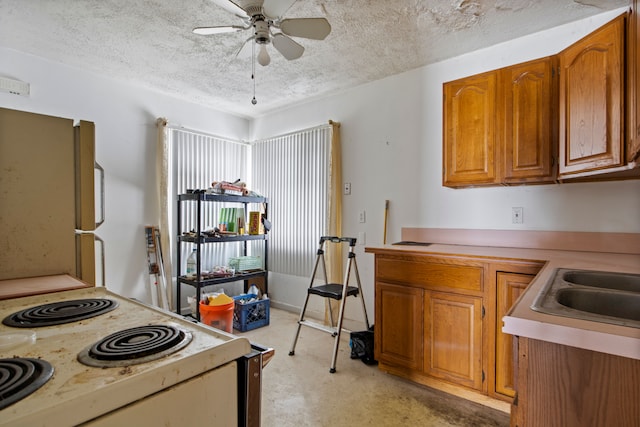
232 7
309 28
289 48
207 31
274 9
245 49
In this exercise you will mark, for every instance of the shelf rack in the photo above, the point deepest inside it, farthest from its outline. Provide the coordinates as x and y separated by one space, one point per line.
199 239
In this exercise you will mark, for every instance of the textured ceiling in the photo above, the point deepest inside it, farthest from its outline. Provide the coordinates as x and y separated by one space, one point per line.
150 43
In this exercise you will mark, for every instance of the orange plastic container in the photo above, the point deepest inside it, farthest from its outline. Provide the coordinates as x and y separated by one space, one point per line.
218 316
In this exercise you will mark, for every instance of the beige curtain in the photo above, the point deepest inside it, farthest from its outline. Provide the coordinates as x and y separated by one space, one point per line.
164 199
334 257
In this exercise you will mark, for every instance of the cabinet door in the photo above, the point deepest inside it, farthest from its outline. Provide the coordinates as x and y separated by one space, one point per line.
592 101
633 57
560 385
453 338
530 121
470 131
398 332
509 288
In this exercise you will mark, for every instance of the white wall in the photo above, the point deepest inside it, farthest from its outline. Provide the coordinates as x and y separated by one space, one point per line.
392 149
125 147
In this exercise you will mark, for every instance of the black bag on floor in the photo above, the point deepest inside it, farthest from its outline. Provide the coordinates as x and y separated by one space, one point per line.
362 346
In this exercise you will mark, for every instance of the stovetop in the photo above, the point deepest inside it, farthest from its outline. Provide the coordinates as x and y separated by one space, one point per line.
60 312
20 377
78 392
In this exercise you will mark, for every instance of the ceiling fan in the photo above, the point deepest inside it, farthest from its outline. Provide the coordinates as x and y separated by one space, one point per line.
269 26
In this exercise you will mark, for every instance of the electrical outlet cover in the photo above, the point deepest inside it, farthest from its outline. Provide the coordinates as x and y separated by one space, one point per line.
517 216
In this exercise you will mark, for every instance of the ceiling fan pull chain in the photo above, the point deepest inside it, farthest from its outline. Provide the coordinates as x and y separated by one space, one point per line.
254 101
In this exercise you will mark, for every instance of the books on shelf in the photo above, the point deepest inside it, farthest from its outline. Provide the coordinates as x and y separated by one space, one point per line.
231 220
255 223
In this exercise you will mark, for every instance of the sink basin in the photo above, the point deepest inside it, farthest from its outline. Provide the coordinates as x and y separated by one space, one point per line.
614 304
598 296
599 279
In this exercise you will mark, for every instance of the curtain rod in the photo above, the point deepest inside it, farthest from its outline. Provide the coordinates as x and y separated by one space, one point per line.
181 128
324 126
199 132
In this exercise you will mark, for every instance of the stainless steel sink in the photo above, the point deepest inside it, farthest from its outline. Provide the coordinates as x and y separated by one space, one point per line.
599 279
598 296
615 304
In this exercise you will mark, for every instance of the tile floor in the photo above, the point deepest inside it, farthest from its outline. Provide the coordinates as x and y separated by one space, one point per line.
299 390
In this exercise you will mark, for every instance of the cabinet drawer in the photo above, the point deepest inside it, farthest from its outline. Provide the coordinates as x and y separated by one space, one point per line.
429 274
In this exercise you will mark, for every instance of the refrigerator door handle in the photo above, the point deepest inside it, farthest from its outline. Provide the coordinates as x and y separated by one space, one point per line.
102 263
100 220
90 265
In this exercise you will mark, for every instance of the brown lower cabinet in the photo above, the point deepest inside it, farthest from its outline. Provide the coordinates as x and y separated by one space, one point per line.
566 386
453 338
399 308
509 287
438 318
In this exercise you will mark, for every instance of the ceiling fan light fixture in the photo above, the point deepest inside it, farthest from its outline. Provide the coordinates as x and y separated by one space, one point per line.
263 56
261 30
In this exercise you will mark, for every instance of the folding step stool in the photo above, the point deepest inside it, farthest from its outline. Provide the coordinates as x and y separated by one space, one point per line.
335 291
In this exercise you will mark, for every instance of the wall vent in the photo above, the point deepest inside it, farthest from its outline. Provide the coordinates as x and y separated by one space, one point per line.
15 87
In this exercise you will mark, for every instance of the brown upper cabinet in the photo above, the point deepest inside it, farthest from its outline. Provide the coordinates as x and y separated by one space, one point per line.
558 118
633 73
470 145
499 126
530 122
592 102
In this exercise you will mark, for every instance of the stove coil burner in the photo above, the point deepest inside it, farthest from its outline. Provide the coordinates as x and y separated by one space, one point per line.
60 312
19 377
134 346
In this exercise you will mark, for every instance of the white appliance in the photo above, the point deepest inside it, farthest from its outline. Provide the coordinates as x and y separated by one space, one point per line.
199 384
48 204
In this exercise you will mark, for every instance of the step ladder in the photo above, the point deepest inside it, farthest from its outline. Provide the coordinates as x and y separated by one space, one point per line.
336 291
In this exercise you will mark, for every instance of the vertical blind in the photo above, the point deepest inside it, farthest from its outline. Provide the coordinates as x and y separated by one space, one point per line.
293 172
198 160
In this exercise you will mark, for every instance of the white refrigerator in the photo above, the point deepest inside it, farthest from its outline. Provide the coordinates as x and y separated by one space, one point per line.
48 177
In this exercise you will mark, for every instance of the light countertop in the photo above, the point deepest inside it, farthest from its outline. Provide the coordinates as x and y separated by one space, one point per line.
521 320
16 288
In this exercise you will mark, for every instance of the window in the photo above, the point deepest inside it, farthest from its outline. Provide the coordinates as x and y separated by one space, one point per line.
198 160
296 172
293 171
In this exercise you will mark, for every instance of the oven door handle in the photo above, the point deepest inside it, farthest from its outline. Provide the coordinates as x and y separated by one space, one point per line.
267 355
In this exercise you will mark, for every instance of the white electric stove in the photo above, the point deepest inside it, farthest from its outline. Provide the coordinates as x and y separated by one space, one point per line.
192 381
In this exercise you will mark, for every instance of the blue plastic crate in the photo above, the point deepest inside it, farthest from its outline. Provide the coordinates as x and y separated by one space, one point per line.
250 315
